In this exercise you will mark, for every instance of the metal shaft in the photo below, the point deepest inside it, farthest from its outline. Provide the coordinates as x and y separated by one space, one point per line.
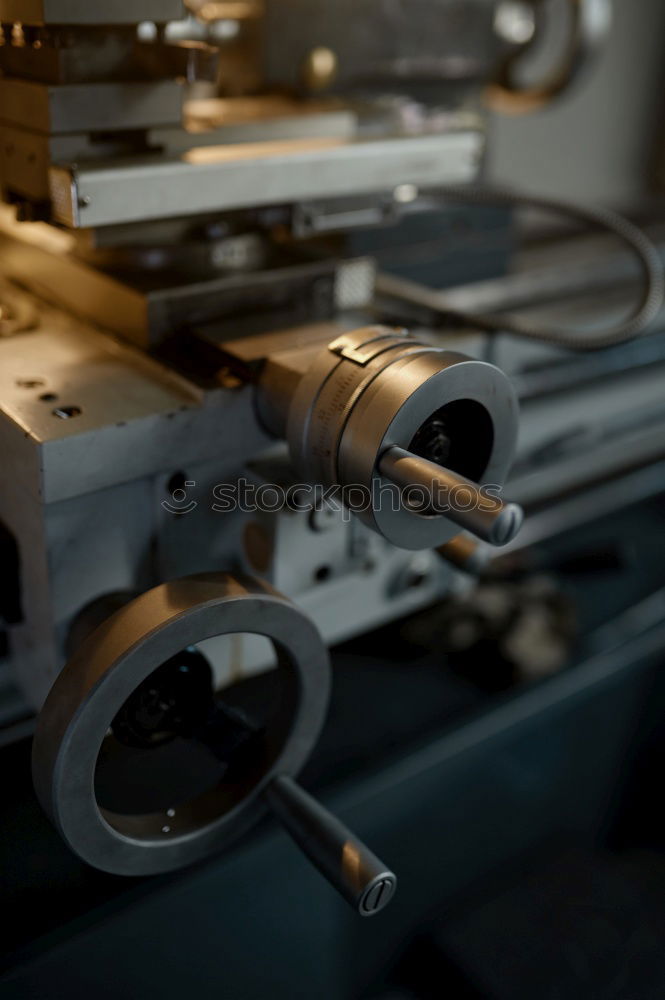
345 861
454 496
466 553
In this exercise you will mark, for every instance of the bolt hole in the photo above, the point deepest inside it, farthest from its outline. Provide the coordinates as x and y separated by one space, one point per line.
417 579
459 436
322 574
178 481
48 397
30 383
67 412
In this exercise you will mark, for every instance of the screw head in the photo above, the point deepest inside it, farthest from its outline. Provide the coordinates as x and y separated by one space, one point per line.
377 895
515 22
320 68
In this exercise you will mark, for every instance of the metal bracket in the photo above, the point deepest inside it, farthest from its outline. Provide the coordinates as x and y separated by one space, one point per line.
382 340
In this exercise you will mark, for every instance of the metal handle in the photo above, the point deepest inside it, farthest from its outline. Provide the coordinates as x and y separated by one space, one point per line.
590 22
350 867
466 553
485 516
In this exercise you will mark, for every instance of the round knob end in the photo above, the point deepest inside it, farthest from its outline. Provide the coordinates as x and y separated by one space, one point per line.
507 524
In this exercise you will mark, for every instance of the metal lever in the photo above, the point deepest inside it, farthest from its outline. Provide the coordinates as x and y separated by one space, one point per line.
466 553
486 517
350 867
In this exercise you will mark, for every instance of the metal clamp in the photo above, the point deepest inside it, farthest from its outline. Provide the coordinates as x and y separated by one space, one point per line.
362 346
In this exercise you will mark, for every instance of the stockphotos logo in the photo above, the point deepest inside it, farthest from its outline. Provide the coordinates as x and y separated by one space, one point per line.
269 498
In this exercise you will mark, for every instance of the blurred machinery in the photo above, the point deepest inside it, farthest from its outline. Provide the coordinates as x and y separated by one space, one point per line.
240 420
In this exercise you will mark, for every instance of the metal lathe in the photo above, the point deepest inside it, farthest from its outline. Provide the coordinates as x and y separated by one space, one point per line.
314 440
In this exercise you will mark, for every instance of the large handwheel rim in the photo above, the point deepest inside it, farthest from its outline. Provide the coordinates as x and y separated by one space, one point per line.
109 666
590 24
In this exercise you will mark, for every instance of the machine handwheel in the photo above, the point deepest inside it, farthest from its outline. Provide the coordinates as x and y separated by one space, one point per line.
102 691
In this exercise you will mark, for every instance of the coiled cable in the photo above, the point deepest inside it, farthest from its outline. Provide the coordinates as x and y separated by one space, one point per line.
653 283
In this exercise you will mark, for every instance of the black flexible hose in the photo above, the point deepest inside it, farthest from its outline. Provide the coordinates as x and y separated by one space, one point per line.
633 237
